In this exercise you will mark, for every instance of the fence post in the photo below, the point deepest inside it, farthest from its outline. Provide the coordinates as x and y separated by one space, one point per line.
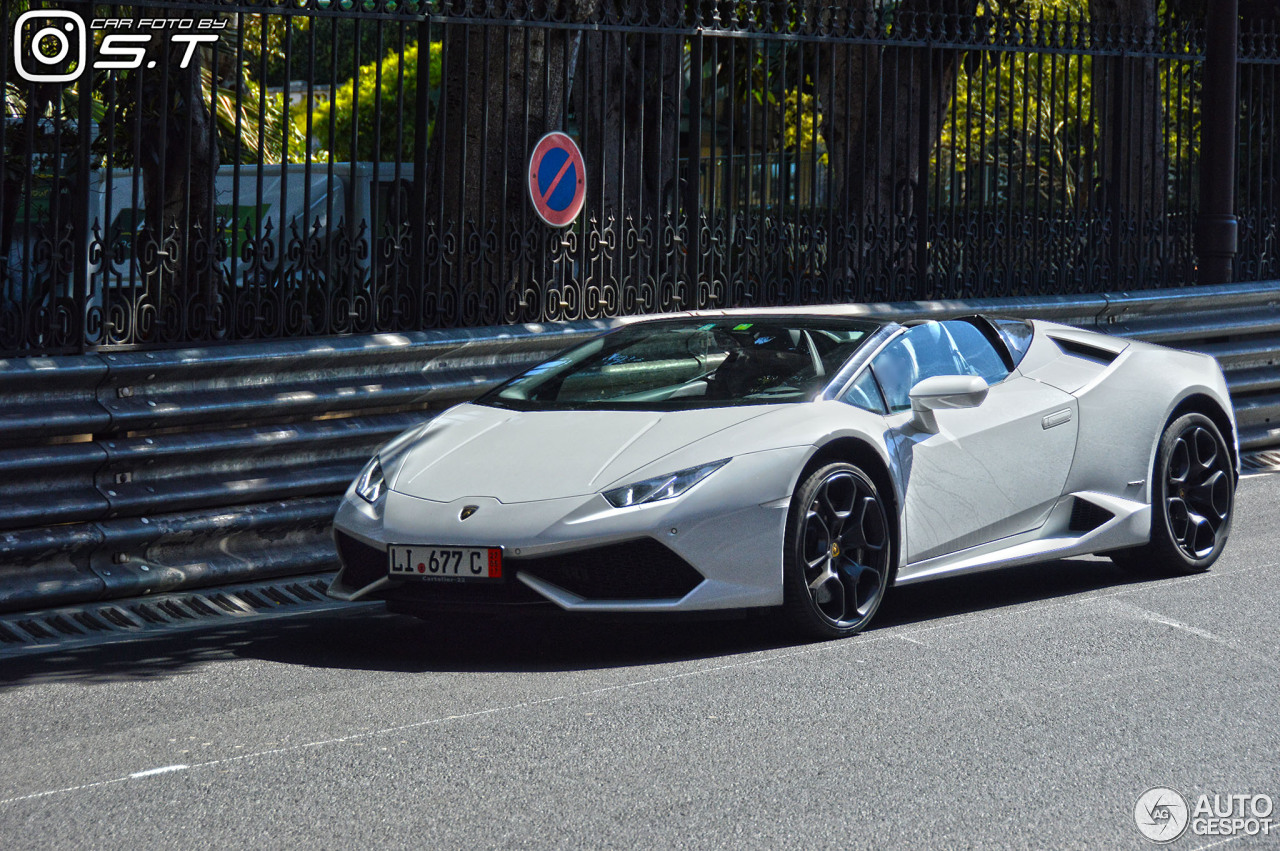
417 283
923 155
82 211
693 162
1216 228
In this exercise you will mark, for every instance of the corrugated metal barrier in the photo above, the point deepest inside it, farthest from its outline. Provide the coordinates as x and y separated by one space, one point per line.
129 473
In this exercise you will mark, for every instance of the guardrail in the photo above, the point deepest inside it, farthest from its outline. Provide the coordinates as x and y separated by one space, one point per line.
128 473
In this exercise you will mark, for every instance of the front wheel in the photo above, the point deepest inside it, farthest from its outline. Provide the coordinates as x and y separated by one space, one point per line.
1192 496
838 552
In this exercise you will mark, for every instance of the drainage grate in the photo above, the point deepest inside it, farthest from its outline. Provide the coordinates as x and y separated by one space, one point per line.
224 602
87 619
1266 461
254 600
117 617
34 629
301 592
62 624
147 613
121 620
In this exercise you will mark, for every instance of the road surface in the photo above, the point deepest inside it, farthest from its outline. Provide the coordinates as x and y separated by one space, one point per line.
1022 708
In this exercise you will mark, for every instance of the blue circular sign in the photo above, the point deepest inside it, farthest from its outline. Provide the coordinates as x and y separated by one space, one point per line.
557 179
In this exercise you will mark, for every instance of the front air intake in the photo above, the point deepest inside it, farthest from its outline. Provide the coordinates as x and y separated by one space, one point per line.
635 570
361 564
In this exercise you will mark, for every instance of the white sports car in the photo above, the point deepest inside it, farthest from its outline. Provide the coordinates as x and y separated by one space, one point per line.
795 461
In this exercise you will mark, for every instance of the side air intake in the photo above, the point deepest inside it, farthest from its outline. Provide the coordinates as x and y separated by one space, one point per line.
1086 516
1097 354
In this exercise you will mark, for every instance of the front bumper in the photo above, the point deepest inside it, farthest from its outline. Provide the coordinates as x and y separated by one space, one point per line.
719 546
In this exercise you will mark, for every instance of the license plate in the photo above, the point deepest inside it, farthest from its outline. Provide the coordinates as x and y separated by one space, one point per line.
453 564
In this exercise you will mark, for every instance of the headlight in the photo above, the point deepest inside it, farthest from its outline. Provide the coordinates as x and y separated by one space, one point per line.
371 486
661 487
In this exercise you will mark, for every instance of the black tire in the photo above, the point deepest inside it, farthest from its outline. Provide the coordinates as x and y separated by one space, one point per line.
1192 497
838 552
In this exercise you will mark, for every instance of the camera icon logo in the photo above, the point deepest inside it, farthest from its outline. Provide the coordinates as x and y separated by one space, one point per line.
60 34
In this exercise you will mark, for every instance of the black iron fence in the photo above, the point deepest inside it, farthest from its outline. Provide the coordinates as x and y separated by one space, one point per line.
226 171
1258 153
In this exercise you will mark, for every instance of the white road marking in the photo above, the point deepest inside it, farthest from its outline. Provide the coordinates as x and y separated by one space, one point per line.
1165 620
1156 617
1219 842
49 792
826 647
162 770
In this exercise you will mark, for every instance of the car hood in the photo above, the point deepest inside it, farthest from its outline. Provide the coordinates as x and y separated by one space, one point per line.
522 456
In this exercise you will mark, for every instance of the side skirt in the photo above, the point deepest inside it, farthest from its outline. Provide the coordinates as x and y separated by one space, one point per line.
1077 525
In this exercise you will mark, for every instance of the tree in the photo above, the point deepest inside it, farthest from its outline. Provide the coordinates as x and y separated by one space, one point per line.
503 88
627 93
849 74
628 89
883 116
40 308
379 99
184 115
1130 118
174 124
1258 160
179 163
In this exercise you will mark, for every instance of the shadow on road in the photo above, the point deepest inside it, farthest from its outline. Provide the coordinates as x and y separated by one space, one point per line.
999 589
375 641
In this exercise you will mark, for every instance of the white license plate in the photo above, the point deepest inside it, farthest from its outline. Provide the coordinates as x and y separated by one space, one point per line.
455 564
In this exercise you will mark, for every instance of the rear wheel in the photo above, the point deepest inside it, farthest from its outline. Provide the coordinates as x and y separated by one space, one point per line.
1192 497
838 552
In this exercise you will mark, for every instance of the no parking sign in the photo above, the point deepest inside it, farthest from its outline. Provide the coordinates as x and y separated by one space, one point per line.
557 179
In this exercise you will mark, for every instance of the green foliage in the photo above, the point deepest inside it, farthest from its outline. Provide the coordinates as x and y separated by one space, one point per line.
800 124
266 36
261 124
1022 123
253 125
340 45
769 78
1020 117
384 104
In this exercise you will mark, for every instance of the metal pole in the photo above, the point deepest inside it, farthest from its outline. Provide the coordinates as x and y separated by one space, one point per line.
418 212
82 216
1216 228
693 162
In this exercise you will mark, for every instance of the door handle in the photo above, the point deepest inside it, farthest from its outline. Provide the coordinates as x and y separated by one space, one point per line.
1057 418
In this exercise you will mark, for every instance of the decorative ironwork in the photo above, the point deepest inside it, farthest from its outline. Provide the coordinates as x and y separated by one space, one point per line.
738 154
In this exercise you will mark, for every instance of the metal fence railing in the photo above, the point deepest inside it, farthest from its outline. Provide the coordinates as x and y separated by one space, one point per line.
125 473
247 171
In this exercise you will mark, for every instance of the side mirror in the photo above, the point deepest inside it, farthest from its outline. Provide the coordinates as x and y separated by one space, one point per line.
944 391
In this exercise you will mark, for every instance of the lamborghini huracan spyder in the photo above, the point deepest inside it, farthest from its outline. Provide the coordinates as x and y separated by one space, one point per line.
797 461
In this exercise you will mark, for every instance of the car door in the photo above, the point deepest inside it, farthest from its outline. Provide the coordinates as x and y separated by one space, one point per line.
990 471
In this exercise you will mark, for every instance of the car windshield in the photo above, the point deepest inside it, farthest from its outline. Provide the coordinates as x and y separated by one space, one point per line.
690 363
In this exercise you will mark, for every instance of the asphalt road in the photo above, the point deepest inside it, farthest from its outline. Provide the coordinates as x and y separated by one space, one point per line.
1023 708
